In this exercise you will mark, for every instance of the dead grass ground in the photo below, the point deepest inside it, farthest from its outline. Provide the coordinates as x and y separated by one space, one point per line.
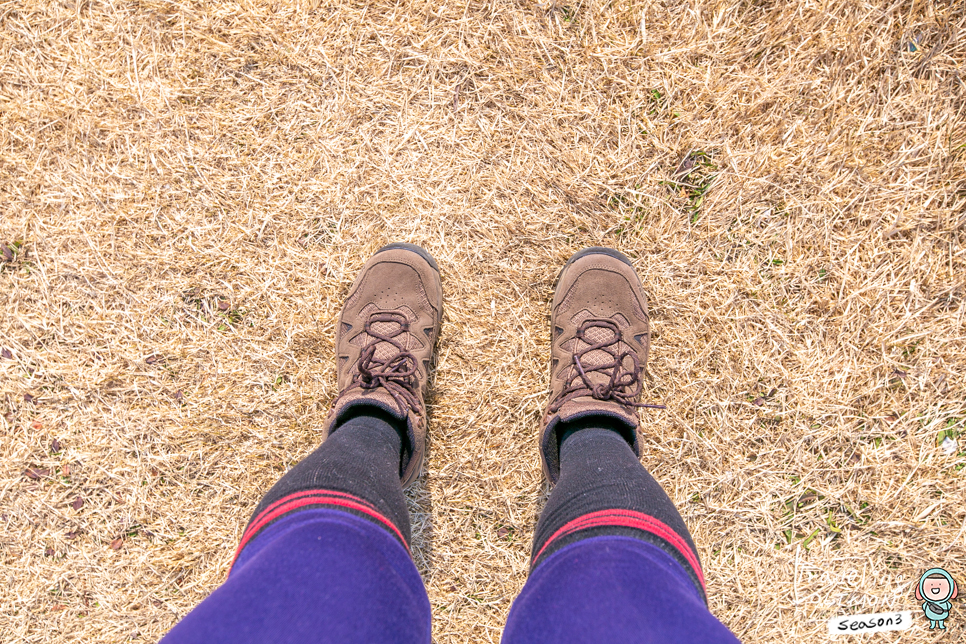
195 184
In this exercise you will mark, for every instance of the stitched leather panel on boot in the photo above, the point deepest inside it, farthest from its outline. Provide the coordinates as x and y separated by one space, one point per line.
384 343
600 336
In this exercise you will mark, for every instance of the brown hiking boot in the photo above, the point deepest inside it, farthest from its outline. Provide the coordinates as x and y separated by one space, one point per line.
600 335
384 343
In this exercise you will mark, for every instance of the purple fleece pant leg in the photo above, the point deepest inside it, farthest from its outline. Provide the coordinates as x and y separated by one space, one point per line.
316 576
323 575
611 589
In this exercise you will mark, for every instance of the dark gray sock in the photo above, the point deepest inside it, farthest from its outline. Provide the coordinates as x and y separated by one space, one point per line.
598 472
361 459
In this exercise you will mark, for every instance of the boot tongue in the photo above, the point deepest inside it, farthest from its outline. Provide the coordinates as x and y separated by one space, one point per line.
384 350
393 324
594 335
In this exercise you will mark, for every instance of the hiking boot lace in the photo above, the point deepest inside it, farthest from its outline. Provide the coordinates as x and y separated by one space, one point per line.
396 374
623 386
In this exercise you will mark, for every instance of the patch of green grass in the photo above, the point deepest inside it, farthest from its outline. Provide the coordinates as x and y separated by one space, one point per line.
210 308
809 538
831 523
656 101
951 430
12 256
793 535
280 380
656 104
692 179
893 560
909 349
319 231
808 514
9 251
505 532
862 516
629 206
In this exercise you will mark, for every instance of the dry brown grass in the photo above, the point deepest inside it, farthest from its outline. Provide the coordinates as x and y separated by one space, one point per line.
195 185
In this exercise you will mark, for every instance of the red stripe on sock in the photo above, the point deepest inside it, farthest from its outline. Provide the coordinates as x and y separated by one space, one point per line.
314 497
629 519
256 521
296 495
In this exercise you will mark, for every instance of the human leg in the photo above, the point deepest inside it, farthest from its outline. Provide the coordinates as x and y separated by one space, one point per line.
612 559
325 555
604 490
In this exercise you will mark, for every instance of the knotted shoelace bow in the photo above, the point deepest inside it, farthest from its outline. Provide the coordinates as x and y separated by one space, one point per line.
622 386
397 374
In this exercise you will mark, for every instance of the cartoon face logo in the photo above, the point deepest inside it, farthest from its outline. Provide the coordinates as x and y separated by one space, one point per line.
936 589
